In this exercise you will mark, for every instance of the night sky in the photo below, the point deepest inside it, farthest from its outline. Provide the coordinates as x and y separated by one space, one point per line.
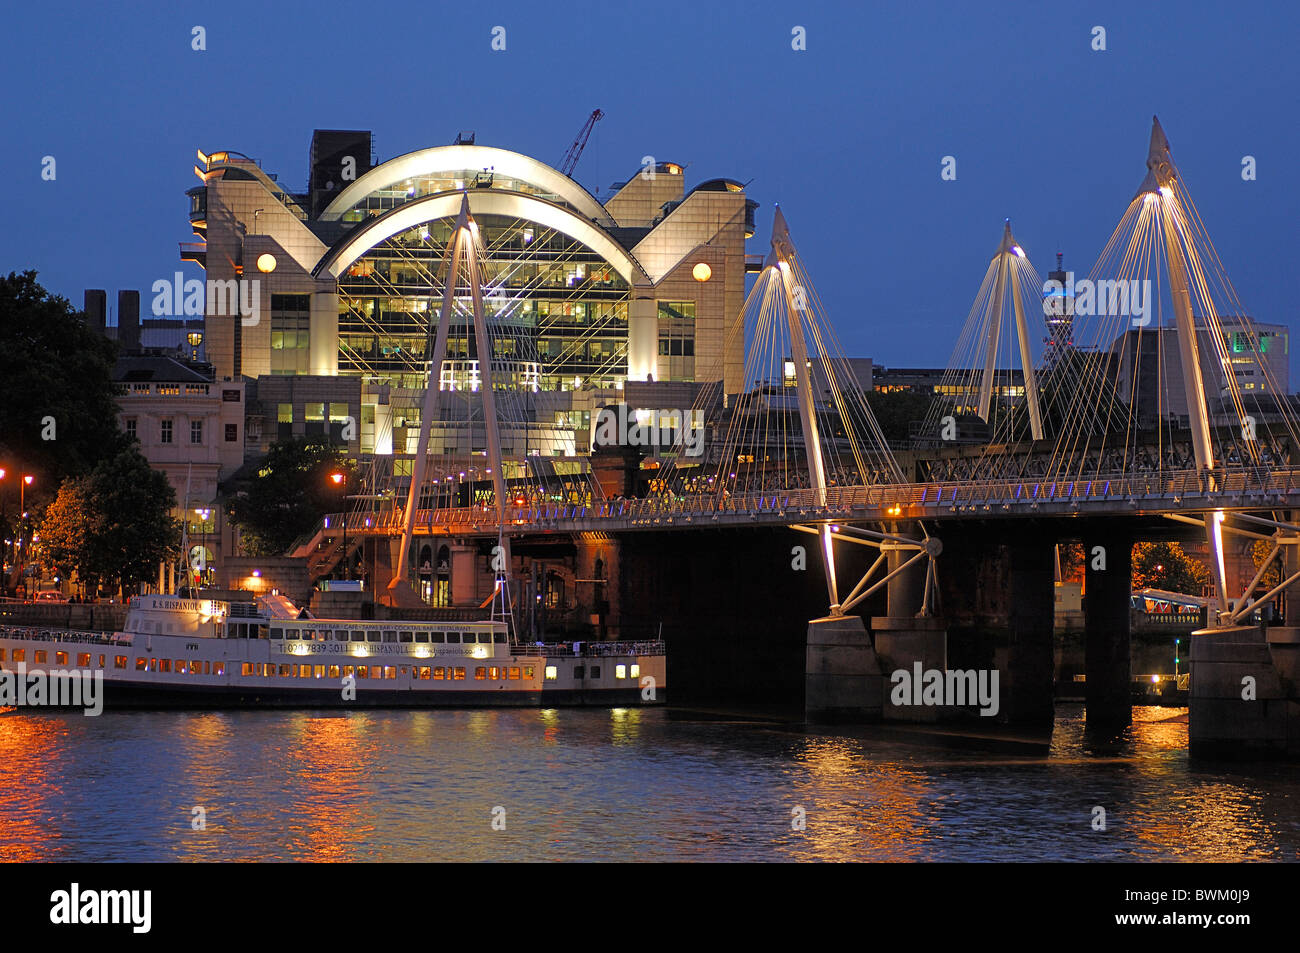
847 135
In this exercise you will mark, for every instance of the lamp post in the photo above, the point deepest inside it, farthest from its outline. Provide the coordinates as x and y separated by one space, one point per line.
4 551
23 484
201 570
340 480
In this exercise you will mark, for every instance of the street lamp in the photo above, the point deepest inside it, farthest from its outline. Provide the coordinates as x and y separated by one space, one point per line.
23 484
340 480
200 571
4 553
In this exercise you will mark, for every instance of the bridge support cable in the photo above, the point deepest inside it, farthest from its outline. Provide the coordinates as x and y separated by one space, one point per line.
432 392
779 258
1158 371
978 399
800 427
1157 366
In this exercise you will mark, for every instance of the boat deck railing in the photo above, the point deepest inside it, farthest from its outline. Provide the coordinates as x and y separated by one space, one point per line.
590 649
70 636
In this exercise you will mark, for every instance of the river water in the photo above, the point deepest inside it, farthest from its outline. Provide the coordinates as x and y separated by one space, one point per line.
616 785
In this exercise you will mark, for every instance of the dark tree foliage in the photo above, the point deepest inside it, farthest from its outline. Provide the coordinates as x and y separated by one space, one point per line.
289 494
895 411
1166 566
114 525
134 529
56 387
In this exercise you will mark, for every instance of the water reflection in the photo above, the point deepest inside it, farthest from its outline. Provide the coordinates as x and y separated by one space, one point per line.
616 784
883 820
32 770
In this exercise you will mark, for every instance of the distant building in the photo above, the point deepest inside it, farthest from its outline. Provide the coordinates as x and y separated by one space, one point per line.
1008 383
173 337
1149 367
860 369
191 428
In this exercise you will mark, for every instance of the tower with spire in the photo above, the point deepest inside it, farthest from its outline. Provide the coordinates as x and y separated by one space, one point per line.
1058 307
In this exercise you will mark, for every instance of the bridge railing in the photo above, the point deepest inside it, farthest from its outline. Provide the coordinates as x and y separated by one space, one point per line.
1179 485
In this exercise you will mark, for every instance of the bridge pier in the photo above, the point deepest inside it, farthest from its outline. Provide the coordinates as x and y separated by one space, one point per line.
1108 582
903 643
1028 677
843 680
907 589
1238 706
1244 699
904 638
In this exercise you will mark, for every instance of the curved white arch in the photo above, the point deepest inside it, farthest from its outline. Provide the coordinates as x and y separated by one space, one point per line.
483 202
459 158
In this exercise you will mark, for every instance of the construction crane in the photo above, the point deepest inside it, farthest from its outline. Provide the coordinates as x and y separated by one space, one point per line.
571 157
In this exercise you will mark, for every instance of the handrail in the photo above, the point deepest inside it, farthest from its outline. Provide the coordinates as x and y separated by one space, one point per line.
1029 493
29 633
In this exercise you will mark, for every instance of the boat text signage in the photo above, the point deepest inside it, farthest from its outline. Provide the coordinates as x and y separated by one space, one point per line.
372 649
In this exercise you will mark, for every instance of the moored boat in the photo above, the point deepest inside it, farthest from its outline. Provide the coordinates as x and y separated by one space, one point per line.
200 653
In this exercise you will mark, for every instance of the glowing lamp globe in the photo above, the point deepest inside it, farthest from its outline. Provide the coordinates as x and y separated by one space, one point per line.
266 263
702 271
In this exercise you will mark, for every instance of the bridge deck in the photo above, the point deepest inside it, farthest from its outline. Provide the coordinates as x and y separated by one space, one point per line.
1186 492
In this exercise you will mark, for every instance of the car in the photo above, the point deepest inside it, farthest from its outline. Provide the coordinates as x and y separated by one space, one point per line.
50 595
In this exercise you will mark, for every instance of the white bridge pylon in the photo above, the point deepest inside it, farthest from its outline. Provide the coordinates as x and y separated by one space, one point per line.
1005 271
462 267
782 269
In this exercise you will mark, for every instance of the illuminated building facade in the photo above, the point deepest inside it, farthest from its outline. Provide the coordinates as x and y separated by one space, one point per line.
581 295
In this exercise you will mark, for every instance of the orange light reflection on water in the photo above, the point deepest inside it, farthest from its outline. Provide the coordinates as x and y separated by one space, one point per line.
327 765
889 821
31 762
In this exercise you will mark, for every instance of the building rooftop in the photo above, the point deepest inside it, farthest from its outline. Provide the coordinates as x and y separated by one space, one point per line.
156 368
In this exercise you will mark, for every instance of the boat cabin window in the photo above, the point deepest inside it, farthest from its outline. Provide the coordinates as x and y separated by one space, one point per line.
422 636
499 638
358 636
485 638
404 636
453 638
372 635
438 638
390 635
341 635
277 633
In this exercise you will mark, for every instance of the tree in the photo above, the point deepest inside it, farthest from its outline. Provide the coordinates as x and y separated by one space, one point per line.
134 531
1073 561
1259 551
289 495
114 525
1166 566
56 385
65 533
895 411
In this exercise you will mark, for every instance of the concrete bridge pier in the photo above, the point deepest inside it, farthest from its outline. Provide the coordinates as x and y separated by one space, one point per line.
1244 700
904 638
1108 587
903 644
1028 668
843 680
1238 706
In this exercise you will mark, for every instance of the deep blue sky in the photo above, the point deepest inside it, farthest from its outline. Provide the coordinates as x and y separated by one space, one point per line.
847 135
